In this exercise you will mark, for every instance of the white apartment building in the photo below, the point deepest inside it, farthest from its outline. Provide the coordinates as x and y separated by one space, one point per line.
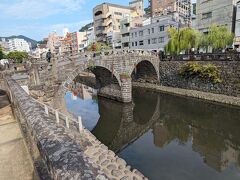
18 45
90 35
152 36
219 12
88 38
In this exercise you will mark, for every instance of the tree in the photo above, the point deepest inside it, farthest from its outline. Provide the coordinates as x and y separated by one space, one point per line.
2 55
99 46
17 56
219 37
182 39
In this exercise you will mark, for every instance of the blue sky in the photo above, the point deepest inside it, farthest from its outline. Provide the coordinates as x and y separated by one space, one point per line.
36 18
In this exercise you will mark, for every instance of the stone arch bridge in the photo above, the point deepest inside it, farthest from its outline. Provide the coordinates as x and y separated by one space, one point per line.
113 72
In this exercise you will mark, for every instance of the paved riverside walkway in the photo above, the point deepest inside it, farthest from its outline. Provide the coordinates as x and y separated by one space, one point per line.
15 163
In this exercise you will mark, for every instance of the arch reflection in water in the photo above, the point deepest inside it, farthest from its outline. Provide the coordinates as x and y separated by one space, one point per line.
168 136
121 124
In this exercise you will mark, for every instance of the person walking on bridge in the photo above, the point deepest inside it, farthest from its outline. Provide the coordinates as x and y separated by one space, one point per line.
94 49
49 56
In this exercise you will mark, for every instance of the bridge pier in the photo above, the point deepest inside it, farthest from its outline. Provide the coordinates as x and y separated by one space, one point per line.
126 89
122 94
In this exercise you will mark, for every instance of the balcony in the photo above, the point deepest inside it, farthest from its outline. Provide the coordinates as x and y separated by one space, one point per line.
125 39
107 22
125 30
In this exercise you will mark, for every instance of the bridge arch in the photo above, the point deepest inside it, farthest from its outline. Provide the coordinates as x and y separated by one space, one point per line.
146 69
104 75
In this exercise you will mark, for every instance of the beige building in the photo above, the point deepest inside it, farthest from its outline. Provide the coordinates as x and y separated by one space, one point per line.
132 21
73 43
160 7
54 42
219 12
106 19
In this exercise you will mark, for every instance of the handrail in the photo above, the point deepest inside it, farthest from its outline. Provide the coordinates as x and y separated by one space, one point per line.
48 109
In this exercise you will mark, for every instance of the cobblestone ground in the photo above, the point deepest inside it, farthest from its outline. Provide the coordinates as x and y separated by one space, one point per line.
15 163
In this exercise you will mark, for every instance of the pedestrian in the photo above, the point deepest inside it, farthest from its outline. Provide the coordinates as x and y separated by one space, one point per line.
94 49
49 56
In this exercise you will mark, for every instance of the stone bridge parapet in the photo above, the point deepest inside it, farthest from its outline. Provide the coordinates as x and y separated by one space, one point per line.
64 153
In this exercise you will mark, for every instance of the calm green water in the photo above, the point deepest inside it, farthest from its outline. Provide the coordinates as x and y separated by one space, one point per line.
164 136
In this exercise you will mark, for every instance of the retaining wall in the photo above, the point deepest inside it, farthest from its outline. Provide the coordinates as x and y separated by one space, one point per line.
230 75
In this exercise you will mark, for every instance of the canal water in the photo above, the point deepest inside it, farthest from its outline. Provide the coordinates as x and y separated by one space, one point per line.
164 136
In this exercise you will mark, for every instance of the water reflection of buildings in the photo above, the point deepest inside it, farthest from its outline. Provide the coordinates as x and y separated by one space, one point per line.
82 91
216 151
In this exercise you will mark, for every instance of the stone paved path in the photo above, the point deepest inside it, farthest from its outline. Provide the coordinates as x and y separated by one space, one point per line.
15 163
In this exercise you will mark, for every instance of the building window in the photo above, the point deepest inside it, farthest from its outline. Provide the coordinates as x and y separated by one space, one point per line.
118 13
135 43
207 15
132 44
135 34
149 31
152 30
161 28
141 43
154 40
140 33
132 35
161 40
149 42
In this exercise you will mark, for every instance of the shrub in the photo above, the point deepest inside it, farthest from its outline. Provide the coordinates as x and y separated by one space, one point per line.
208 72
124 75
91 67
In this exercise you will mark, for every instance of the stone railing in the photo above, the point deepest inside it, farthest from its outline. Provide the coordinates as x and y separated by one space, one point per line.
120 52
233 56
65 148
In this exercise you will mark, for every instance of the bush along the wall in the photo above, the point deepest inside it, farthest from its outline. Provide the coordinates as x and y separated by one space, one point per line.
208 72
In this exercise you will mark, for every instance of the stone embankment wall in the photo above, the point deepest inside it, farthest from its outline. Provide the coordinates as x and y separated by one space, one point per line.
62 153
230 75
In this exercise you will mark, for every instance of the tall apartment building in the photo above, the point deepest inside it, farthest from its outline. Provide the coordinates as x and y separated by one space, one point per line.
137 6
152 36
160 7
219 12
18 45
132 21
106 19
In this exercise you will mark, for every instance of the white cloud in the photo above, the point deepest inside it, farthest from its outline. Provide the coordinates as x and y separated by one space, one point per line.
36 9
